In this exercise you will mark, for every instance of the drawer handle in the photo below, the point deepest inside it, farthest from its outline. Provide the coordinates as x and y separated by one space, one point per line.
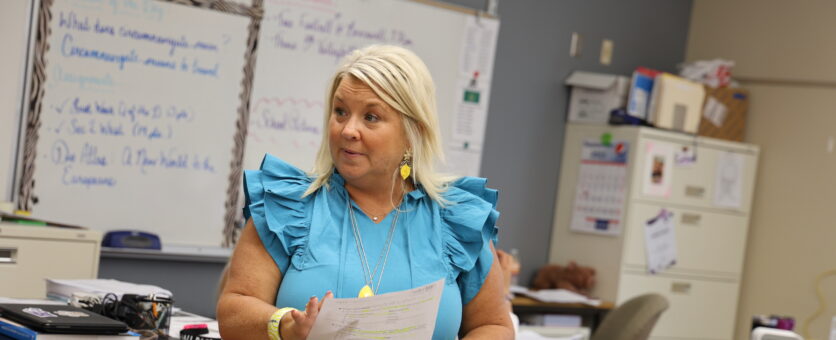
694 191
8 255
693 219
681 287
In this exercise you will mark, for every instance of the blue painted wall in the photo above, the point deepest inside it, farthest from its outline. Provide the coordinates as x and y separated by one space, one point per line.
526 121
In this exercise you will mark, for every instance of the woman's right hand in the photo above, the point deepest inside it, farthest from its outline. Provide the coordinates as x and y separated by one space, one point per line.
299 324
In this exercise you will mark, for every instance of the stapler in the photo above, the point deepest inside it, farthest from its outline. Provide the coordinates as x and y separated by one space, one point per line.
131 239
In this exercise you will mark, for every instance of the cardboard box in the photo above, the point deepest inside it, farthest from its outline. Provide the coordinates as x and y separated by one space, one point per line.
724 113
594 95
676 103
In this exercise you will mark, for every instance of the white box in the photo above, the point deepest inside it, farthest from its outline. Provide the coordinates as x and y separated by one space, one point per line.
594 95
561 320
676 103
542 332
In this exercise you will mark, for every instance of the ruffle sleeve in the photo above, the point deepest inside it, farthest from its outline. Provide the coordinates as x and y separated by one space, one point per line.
469 227
274 202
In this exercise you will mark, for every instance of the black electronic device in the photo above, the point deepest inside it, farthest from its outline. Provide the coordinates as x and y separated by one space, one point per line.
63 319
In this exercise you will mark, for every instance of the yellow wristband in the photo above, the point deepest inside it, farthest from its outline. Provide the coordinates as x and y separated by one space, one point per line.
273 331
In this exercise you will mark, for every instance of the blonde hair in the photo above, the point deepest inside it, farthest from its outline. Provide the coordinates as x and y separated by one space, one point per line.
400 79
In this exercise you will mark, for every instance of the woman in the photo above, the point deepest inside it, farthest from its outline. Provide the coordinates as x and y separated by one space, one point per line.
374 217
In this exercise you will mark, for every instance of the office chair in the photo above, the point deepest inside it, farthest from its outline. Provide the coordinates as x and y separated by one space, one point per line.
633 319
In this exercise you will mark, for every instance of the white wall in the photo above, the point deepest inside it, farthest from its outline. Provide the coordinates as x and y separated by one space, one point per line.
793 222
773 39
14 15
789 49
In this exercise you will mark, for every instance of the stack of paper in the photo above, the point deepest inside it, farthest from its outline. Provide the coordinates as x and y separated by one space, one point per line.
555 295
64 289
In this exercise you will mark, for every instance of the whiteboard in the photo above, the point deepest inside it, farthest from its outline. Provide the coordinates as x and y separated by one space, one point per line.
135 116
14 34
301 43
143 113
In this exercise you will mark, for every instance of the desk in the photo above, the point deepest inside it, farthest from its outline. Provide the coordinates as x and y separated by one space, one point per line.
591 316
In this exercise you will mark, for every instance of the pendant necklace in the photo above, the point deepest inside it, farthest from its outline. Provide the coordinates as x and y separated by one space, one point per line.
367 291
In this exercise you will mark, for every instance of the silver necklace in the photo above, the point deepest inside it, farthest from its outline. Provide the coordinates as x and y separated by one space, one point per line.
361 251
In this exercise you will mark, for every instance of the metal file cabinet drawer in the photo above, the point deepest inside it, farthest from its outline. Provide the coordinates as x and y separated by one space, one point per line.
30 254
712 302
716 173
707 242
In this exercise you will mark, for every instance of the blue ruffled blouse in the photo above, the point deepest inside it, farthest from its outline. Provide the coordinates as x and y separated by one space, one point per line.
311 239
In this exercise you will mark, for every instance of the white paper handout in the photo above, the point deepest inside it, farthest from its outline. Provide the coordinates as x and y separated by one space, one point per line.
660 242
728 182
408 314
658 169
601 187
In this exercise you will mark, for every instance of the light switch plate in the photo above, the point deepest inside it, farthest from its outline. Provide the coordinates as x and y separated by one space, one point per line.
575 45
606 51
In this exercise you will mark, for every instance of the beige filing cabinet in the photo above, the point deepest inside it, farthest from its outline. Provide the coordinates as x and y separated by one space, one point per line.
30 254
703 286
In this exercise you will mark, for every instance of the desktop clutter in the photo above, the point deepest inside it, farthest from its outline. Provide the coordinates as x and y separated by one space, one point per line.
571 283
702 100
572 277
82 309
552 282
101 309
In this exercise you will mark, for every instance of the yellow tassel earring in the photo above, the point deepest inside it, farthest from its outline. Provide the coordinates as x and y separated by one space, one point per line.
406 165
